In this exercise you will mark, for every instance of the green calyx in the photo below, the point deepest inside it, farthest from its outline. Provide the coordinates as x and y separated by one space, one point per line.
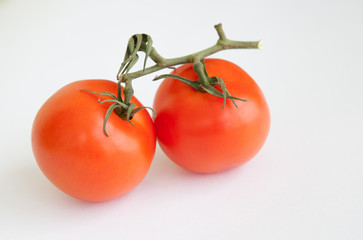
205 83
122 107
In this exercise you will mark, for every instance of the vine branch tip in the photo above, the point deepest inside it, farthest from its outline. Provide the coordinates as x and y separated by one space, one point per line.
260 44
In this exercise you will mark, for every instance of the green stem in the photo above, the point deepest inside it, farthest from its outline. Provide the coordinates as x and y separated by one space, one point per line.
128 92
223 43
199 68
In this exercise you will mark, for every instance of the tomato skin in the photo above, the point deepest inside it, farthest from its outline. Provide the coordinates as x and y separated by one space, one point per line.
73 152
196 133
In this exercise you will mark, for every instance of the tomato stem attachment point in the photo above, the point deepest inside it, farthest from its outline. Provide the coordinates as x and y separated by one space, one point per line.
125 110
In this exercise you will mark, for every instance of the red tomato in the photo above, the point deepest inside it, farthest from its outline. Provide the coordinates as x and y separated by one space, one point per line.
74 153
196 133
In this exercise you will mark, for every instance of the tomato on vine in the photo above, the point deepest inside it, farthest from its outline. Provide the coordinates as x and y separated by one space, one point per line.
204 133
72 149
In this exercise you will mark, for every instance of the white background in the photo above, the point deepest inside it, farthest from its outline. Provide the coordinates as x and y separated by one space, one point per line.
306 183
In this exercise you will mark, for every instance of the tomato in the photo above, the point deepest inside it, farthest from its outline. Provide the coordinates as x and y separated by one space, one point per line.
196 133
74 153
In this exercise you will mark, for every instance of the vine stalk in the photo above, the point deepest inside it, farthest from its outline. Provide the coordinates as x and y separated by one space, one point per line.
223 43
126 109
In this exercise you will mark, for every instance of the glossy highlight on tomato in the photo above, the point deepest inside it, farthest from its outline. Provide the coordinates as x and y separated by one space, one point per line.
74 153
196 133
